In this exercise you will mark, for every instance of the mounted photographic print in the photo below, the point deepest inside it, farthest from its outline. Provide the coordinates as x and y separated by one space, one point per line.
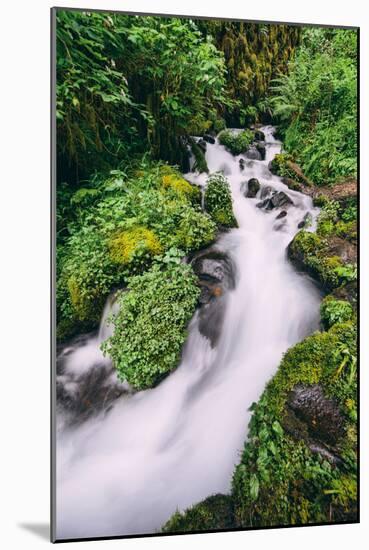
204 372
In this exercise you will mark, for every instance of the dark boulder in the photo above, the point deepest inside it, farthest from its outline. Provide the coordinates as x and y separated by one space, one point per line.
281 215
259 135
277 200
216 273
208 138
253 154
242 164
262 149
306 221
266 191
316 419
251 188
347 292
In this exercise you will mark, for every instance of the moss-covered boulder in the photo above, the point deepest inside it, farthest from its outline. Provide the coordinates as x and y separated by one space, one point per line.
215 512
283 165
236 142
218 201
326 261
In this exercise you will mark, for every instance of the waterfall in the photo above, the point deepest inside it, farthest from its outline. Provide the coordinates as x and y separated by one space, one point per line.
127 471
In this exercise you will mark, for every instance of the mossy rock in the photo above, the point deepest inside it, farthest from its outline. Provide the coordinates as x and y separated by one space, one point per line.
213 513
236 142
324 260
218 201
134 246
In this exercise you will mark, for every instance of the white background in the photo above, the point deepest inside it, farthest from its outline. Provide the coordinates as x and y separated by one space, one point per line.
24 254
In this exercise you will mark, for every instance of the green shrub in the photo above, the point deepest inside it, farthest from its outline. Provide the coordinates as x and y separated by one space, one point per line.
195 230
150 328
215 512
335 311
236 142
218 200
279 166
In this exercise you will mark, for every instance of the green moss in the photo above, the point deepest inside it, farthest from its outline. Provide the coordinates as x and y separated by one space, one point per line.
134 247
218 201
236 142
181 187
216 512
196 230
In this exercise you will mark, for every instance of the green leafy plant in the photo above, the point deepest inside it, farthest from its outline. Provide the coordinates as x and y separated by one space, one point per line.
335 311
150 328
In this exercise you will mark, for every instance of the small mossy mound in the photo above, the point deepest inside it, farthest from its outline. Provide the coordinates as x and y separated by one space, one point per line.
195 230
218 201
215 512
150 328
236 142
284 166
282 480
135 247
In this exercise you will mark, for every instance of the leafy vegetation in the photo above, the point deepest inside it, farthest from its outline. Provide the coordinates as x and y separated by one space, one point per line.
335 311
218 201
136 218
150 328
315 105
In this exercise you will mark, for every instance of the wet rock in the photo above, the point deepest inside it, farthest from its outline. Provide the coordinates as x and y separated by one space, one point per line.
216 273
266 191
252 153
262 149
316 419
202 144
209 138
277 200
82 395
343 248
259 135
292 184
281 215
306 221
242 164
251 188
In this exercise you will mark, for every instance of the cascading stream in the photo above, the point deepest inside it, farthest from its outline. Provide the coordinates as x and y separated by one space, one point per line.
126 472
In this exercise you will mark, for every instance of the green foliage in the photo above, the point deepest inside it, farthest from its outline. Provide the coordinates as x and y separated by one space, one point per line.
279 481
218 200
335 311
200 160
236 142
215 512
150 328
327 219
136 218
315 105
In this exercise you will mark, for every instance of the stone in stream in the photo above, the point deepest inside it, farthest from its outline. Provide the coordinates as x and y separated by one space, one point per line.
259 135
262 149
216 273
251 188
281 215
306 221
266 191
252 153
208 138
242 164
277 200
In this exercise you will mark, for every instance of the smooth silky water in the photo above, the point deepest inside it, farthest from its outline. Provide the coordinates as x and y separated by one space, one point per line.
128 470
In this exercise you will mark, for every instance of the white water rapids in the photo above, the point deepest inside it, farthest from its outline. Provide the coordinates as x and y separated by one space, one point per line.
127 471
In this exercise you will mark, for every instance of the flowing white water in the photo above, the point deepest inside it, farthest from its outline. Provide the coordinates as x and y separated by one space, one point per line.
167 448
